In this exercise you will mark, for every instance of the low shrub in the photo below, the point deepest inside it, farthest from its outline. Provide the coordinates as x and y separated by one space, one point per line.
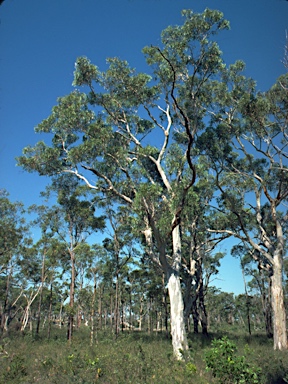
229 367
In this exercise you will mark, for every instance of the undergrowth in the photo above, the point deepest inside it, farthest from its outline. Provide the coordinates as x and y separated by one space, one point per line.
134 357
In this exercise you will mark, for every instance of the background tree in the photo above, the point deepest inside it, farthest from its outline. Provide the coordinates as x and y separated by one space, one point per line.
248 152
221 308
44 263
14 244
71 221
119 247
259 283
198 245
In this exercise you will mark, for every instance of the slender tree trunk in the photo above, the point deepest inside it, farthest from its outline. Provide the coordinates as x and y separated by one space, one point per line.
165 306
27 310
116 310
158 316
39 313
5 308
248 315
50 312
277 298
106 317
71 297
141 311
111 311
148 317
122 316
100 306
202 307
41 294
130 311
4 316
79 308
195 315
60 314
92 332
266 303
166 316
247 300
151 314
188 299
268 313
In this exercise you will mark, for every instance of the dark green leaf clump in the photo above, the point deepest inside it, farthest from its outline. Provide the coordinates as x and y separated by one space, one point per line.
229 367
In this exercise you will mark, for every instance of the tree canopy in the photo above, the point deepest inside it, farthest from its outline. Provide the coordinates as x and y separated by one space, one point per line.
184 146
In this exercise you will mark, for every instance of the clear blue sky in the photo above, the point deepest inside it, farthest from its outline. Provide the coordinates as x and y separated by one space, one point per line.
40 40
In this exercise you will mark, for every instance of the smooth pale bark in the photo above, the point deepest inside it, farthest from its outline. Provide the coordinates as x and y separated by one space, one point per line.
277 294
179 338
247 298
100 307
178 331
41 294
116 308
279 313
27 310
71 296
92 330
50 312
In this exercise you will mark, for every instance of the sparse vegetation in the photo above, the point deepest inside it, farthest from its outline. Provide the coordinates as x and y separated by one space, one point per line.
137 357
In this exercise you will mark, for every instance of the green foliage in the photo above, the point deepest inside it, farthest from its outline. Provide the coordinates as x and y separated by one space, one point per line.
12 228
16 369
206 123
227 366
191 369
132 359
85 72
128 360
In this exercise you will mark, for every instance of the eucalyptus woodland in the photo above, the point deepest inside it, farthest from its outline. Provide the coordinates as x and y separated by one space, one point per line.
258 283
120 248
131 137
70 221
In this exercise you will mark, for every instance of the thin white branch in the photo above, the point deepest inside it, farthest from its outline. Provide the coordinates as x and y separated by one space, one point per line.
245 239
81 177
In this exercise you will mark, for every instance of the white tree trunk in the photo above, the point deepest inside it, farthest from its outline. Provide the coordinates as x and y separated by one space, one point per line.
178 332
279 313
30 300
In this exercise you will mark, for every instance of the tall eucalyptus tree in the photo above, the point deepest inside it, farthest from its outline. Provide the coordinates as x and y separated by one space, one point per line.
248 150
131 137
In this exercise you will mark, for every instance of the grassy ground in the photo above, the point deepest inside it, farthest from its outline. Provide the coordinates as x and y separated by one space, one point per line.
132 358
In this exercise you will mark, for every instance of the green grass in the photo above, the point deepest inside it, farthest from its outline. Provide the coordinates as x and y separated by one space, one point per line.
132 358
